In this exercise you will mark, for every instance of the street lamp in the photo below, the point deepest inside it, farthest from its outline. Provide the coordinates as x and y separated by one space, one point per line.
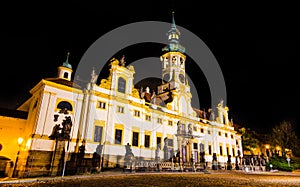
20 141
277 150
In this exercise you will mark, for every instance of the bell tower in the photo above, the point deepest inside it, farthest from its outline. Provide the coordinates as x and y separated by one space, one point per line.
173 73
65 70
173 61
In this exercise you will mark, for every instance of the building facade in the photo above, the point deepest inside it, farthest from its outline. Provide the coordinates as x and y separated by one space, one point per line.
65 119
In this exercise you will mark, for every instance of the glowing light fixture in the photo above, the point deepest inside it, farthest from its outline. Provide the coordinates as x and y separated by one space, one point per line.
20 141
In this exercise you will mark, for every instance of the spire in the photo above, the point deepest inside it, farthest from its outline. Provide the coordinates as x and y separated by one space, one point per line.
173 20
66 63
173 38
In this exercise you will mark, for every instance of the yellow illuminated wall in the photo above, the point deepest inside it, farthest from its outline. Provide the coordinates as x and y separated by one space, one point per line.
10 130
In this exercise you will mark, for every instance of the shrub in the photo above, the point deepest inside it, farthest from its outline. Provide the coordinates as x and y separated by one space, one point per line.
280 163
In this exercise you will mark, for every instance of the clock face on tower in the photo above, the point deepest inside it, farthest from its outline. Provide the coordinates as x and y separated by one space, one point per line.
166 77
181 78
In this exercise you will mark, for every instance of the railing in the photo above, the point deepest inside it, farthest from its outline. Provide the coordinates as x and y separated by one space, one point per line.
152 165
250 168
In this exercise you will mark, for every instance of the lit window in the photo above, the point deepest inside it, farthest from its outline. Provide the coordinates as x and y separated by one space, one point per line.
137 113
170 123
159 120
120 109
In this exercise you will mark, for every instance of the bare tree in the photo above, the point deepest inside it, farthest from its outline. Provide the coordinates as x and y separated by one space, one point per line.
284 135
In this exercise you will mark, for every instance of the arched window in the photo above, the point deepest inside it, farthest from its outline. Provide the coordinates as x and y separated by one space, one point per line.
65 105
66 75
121 85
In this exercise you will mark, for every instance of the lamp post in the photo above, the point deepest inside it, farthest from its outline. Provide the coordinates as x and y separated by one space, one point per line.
20 141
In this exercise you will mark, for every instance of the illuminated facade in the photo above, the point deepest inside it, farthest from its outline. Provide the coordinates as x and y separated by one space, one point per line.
115 113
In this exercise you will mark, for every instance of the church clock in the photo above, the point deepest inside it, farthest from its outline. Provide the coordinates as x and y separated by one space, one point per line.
181 78
166 77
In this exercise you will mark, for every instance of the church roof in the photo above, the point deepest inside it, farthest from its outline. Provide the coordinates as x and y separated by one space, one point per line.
64 82
13 113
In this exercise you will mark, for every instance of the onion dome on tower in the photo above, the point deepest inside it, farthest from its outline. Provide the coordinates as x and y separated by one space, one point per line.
173 38
64 74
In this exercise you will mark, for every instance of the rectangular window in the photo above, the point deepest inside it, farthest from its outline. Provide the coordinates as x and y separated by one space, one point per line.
137 113
220 134
170 123
148 118
158 142
120 109
194 128
201 145
221 150
98 133
226 135
209 150
170 142
118 136
208 131
231 136
135 139
121 85
147 141
233 151
227 150
202 130
101 105
195 146
159 120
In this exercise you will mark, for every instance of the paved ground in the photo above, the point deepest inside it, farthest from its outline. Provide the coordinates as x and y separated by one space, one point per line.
215 178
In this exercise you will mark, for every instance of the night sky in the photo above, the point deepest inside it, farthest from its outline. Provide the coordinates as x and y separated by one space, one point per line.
255 45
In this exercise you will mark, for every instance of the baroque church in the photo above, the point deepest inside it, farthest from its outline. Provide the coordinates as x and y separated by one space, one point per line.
63 124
